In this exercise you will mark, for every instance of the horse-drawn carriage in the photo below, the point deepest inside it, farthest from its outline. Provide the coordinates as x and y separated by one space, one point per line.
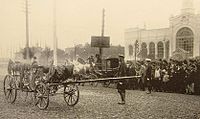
89 70
108 68
41 81
45 81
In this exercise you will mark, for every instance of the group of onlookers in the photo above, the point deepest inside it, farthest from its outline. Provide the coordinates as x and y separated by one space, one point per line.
166 76
161 75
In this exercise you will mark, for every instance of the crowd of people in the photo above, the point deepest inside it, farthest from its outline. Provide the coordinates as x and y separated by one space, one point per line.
158 75
166 76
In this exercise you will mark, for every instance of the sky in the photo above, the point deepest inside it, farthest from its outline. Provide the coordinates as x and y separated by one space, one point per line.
78 20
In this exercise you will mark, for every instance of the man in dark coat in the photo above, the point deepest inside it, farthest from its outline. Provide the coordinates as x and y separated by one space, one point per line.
98 62
149 76
121 85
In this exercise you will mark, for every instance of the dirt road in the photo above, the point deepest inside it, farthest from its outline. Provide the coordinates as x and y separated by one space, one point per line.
101 103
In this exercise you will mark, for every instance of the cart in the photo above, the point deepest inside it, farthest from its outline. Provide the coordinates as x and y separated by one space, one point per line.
43 87
39 86
108 68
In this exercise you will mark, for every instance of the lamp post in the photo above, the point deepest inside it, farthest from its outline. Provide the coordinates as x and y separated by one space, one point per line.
164 49
136 50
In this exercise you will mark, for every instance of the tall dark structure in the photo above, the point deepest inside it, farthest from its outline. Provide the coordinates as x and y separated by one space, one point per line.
102 32
27 50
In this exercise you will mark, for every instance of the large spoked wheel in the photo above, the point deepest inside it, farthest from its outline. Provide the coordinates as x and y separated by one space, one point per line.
71 94
10 89
92 76
41 96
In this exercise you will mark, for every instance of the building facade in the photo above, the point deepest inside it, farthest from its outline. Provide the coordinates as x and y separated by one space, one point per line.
182 35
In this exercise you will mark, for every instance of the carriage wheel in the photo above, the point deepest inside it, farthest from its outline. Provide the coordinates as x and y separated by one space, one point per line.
10 89
71 94
92 76
41 96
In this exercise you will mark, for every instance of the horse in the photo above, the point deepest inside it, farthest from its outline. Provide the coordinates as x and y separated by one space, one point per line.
15 68
55 74
19 69
81 67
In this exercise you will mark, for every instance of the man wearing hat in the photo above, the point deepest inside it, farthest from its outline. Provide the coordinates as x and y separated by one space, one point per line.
34 61
149 76
98 62
121 85
142 73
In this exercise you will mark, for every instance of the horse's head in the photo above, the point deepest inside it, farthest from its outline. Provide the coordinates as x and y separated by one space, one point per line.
14 67
10 62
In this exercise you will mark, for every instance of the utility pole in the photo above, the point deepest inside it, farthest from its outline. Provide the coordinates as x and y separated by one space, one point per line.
101 41
54 36
102 33
75 52
27 31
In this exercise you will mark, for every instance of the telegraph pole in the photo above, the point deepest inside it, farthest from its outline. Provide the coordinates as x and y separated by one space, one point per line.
27 30
54 36
102 33
101 41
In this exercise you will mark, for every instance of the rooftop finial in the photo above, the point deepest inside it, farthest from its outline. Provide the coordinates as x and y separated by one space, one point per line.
187 7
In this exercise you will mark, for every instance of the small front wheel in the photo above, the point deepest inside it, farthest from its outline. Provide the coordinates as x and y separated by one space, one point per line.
71 94
10 89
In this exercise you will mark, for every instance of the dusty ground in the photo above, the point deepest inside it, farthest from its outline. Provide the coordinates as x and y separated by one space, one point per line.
101 103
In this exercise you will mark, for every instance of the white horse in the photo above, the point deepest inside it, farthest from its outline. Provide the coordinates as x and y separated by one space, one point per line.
83 70
81 67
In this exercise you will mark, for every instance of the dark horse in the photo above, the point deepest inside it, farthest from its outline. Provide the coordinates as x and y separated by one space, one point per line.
18 68
14 68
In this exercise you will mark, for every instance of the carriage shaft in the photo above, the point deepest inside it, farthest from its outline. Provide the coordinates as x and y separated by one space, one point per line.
101 79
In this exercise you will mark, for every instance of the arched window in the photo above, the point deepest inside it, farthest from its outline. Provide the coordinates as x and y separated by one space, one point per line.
184 40
130 47
167 49
160 47
143 50
152 50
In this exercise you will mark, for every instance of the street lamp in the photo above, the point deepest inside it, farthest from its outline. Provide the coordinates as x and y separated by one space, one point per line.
136 50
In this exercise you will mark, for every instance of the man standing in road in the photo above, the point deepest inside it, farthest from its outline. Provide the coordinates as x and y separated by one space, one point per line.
142 73
149 76
121 85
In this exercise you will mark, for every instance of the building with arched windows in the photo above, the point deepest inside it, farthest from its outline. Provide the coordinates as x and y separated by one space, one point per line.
181 37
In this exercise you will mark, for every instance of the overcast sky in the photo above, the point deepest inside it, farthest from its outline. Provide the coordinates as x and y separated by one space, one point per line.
78 20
